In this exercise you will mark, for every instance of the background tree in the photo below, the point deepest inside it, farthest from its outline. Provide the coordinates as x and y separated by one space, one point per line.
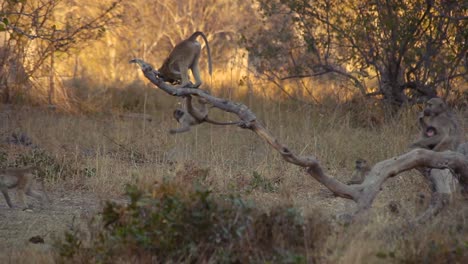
150 29
412 48
34 32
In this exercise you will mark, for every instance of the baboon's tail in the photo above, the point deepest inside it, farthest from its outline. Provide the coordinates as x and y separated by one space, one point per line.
194 37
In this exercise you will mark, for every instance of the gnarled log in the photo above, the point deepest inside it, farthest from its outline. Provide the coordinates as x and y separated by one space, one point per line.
363 194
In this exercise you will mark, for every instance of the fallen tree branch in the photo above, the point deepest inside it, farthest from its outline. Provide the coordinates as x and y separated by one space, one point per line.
363 194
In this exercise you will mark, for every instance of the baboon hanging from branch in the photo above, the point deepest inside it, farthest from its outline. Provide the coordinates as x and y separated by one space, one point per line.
192 116
363 194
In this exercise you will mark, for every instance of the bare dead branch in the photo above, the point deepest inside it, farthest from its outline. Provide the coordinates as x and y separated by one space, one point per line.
363 194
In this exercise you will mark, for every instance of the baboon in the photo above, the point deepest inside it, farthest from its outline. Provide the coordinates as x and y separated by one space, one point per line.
23 180
183 57
185 119
463 149
192 116
361 169
440 129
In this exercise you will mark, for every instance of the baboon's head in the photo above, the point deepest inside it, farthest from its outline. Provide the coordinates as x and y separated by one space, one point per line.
178 114
434 107
169 74
360 164
169 78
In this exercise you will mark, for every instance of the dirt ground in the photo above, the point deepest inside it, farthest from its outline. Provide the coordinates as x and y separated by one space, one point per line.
67 211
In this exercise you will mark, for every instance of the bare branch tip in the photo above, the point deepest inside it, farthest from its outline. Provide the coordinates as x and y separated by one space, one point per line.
143 65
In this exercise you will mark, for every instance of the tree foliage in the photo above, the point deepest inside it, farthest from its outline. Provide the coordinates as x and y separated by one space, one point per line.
413 48
150 29
33 31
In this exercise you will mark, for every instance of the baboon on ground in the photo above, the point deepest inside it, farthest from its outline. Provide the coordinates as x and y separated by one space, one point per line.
23 180
183 57
440 129
361 169
192 116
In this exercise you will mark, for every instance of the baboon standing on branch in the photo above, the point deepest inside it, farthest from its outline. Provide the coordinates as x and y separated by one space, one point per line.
440 129
183 57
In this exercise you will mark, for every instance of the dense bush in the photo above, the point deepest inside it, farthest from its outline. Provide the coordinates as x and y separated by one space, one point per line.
173 223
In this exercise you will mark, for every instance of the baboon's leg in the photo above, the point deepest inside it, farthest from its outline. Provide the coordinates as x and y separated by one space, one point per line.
36 195
47 199
185 81
25 188
196 71
4 191
42 197
21 198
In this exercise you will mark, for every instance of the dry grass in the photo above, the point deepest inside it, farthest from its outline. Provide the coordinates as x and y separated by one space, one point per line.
107 152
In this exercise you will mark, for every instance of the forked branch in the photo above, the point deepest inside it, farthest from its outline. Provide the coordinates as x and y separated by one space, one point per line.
363 194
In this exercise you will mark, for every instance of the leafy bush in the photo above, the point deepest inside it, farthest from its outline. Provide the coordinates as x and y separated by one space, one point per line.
262 183
3 158
48 166
170 223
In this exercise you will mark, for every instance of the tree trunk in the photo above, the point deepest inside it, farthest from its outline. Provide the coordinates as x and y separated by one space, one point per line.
51 79
391 80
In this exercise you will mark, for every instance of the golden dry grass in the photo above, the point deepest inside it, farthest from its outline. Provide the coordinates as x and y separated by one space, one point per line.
107 152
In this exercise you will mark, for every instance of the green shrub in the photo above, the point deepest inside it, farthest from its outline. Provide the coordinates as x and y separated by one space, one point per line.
170 223
3 158
262 183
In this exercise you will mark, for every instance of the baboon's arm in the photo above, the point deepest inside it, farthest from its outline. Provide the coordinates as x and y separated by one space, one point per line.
427 142
439 142
21 198
185 82
444 144
356 178
201 114
198 114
